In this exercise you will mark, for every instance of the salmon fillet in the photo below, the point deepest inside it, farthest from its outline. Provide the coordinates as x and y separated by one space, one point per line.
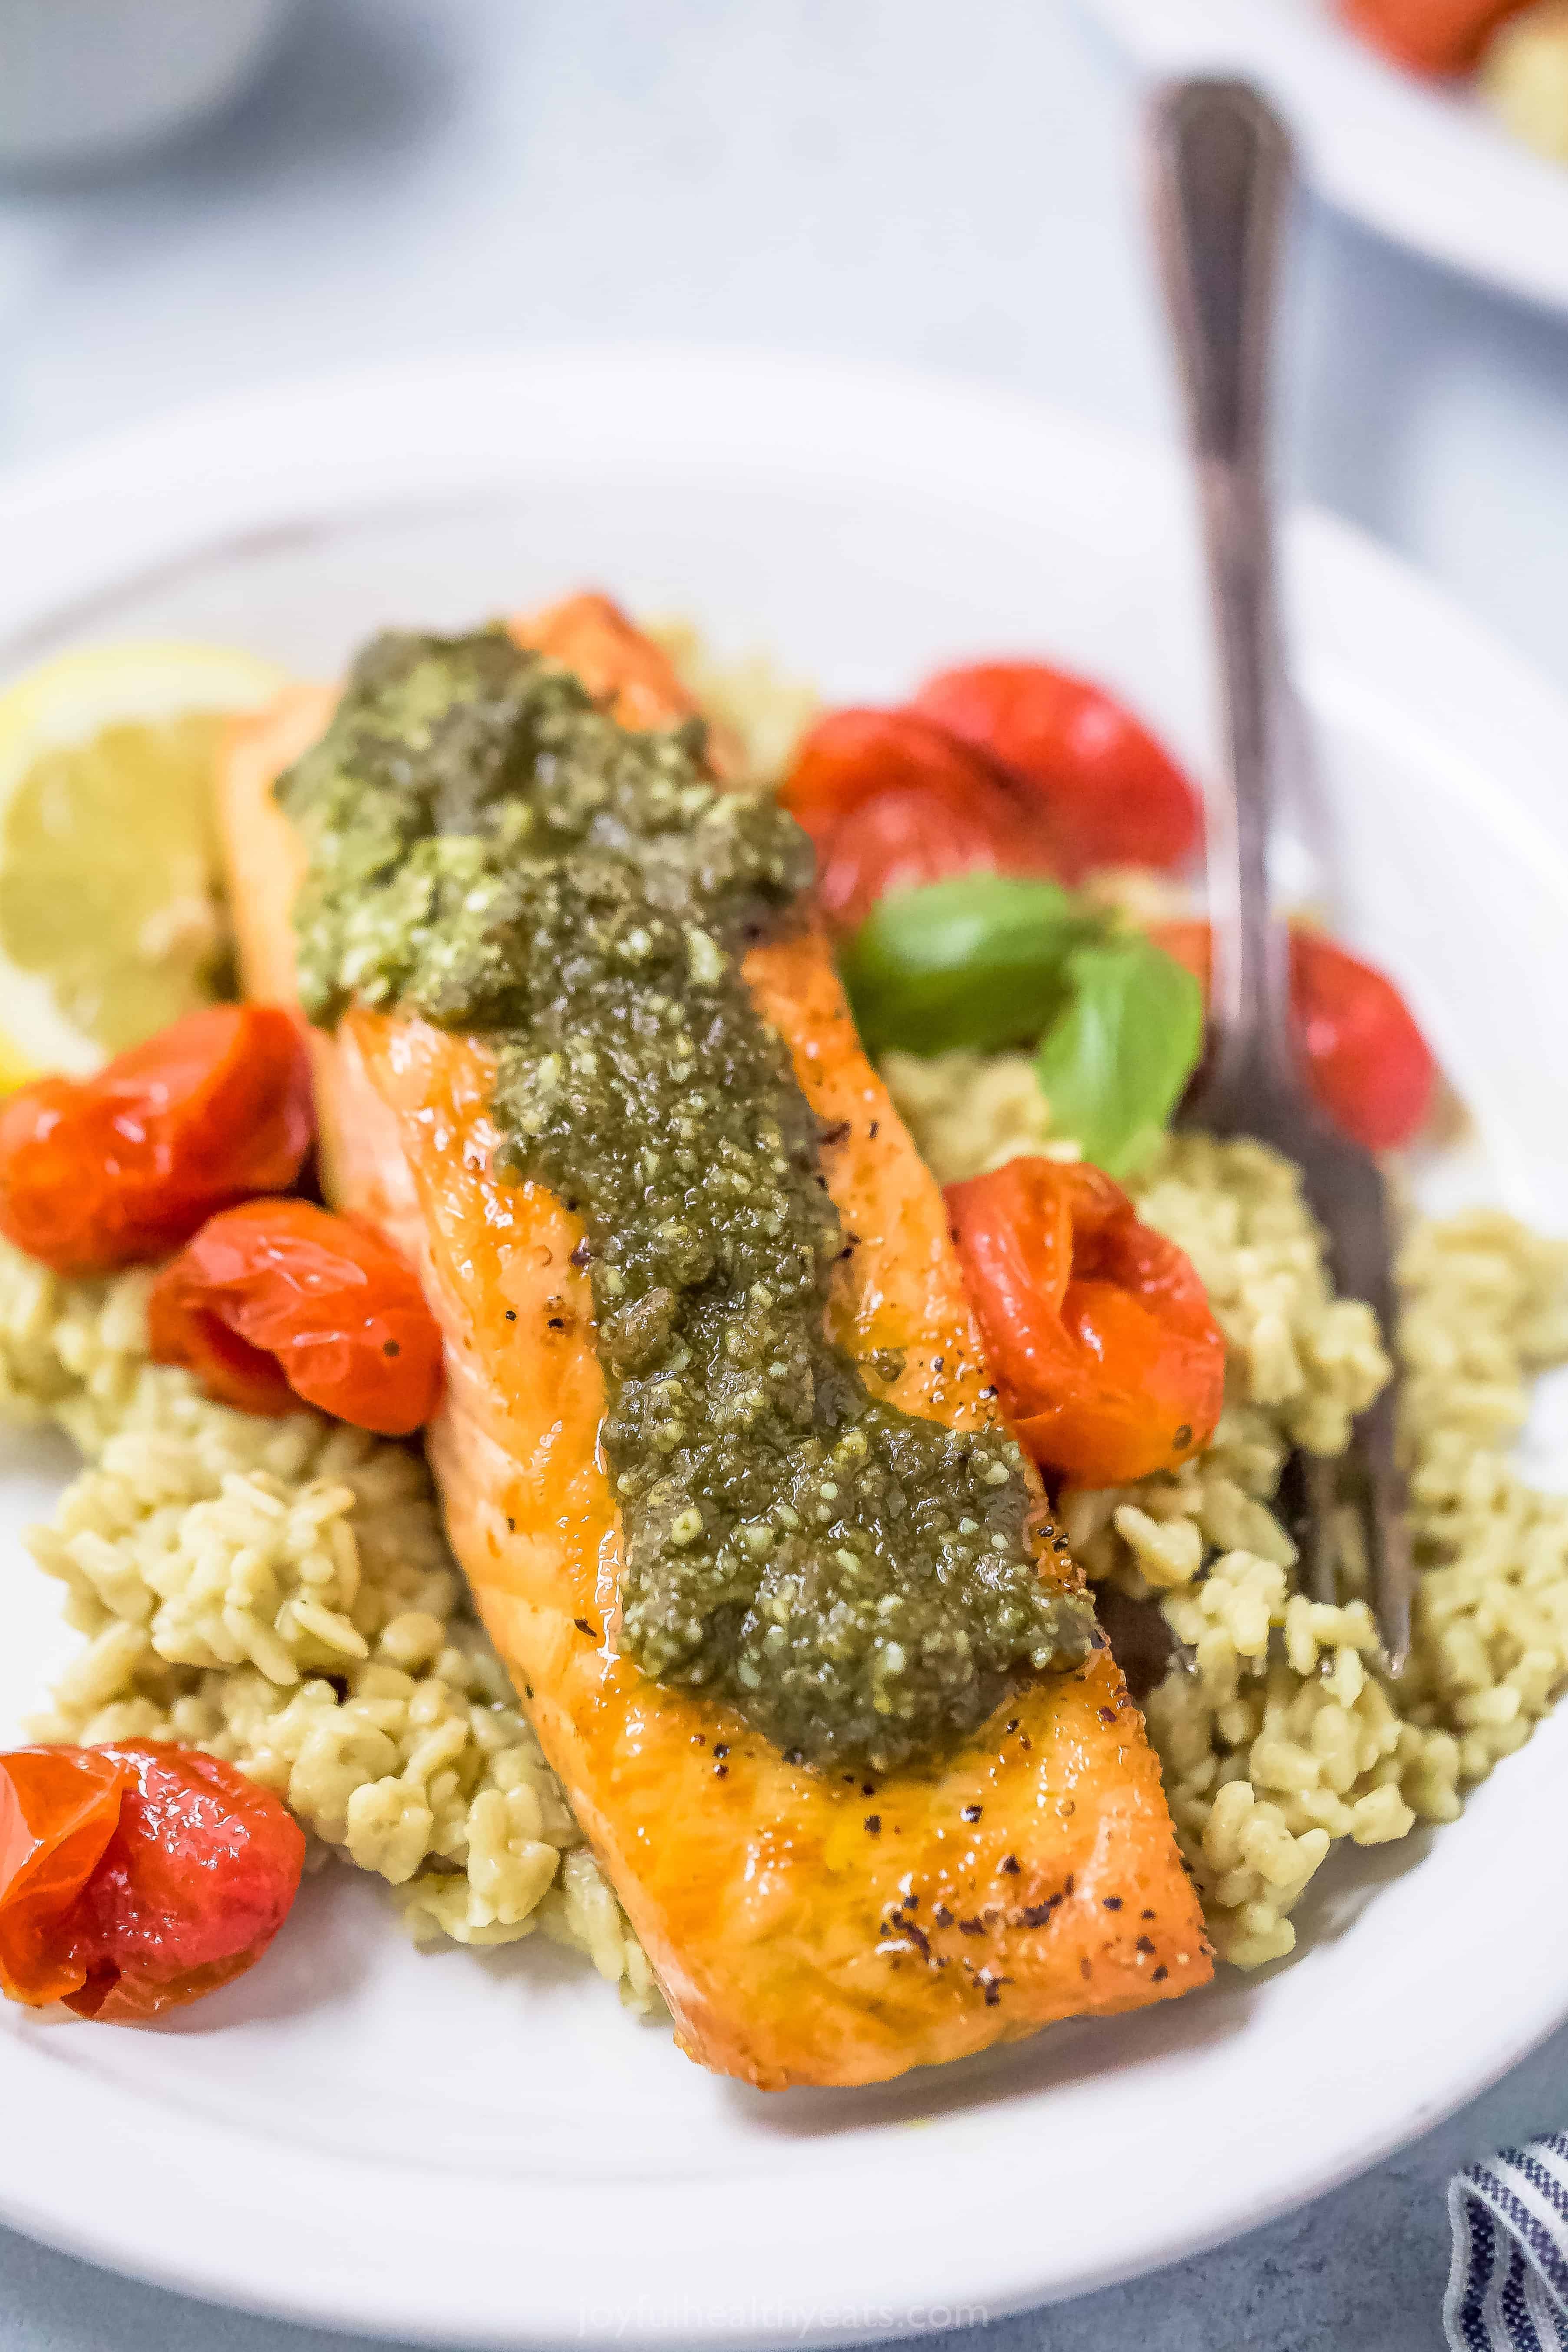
805 1929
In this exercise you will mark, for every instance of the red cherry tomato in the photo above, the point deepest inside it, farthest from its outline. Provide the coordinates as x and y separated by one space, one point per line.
914 833
100 1172
279 1302
1436 37
58 1807
136 1876
1107 1359
850 756
1111 796
1369 1065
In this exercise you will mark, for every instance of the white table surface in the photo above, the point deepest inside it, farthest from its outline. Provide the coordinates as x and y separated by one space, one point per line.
894 179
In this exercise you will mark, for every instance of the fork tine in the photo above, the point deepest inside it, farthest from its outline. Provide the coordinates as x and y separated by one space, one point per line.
1349 1199
1388 1528
1322 1560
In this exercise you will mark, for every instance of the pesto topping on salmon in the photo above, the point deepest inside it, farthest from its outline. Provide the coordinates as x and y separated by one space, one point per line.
488 849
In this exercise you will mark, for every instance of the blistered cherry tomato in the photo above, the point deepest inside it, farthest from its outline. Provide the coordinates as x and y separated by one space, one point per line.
850 756
279 1303
1110 793
136 1876
58 1808
916 834
1109 1361
102 1172
1369 1065
1436 37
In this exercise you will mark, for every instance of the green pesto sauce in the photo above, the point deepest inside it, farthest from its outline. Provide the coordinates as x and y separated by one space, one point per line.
488 849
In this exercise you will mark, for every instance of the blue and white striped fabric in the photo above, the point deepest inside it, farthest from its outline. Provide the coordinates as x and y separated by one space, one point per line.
1508 2289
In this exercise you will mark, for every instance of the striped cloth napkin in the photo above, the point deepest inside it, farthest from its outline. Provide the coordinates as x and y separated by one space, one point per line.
1508 2288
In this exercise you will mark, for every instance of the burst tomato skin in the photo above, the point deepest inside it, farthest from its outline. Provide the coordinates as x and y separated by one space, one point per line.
1434 37
1110 794
102 1172
58 1807
137 1877
278 1302
1369 1065
914 833
851 755
1109 1361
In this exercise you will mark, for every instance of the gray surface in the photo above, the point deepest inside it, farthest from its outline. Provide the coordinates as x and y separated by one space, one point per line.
889 178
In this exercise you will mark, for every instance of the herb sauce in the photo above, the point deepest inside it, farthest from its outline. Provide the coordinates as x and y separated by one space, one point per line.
488 849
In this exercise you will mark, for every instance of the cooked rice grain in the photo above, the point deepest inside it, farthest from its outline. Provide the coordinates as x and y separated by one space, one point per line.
765 711
1282 1739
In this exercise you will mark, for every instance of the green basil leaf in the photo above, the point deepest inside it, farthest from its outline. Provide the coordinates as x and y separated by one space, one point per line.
1114 1061
975 964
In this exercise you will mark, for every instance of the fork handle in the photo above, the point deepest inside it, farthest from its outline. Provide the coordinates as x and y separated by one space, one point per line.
1223 181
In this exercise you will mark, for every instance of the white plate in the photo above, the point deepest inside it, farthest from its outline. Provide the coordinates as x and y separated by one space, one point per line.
486 2149
1424 164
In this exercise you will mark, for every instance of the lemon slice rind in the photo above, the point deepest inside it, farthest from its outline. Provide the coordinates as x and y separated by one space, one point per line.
64 705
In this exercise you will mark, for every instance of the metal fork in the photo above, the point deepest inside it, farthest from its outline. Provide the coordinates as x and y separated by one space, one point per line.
1223 181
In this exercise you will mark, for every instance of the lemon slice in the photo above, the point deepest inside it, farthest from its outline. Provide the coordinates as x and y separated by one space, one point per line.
110 920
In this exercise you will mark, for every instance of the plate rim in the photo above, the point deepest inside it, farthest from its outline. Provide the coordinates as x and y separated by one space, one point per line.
1336 159
36 495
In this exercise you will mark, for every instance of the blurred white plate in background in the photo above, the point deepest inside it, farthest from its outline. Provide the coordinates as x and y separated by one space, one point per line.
85 83
484 2149
1424 164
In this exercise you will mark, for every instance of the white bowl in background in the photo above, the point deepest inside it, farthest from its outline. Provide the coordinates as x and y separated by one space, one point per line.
1423 164
85 82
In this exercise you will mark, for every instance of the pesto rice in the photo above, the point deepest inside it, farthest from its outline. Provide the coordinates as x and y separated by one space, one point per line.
279 1594
1283 1739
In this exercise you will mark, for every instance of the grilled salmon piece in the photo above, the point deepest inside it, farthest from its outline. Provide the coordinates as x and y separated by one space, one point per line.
805 1929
